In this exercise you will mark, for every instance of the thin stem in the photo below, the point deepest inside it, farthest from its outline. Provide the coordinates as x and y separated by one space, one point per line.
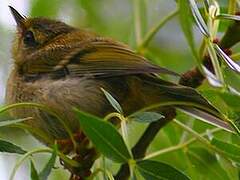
179 146
234 126
185 134
125 134
166 150
137 21
213 23
194 133
45 108
200 138
156 28
41 134
104 167
202 49
215 62
123 127
143 143
109 175
112 115
15 121
131 164
35 151
18 164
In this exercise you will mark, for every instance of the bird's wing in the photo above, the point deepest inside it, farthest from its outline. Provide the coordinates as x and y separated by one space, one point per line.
104 58
189 101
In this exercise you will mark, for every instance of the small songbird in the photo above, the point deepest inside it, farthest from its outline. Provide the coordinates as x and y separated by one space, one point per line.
62 67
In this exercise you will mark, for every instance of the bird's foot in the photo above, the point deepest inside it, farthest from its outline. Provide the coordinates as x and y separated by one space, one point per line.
84 154
66 145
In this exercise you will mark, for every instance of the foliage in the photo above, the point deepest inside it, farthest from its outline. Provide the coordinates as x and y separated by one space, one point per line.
186 148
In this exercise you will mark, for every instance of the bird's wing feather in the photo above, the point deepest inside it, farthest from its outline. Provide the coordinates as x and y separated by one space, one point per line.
105 58
189 101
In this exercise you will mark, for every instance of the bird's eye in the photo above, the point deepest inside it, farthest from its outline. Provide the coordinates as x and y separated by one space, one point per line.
29 39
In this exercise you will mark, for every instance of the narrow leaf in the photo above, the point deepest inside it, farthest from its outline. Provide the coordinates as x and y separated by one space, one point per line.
34 174
206 117
155 170
215 62
8 147
43 175
231 150
228 17
113 101
147 117
207 4
212 79
9 122
232 100
104 136
206 164
198 18
235 139
234 66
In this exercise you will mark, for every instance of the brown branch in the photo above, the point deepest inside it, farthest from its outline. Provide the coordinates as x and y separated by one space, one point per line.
194 78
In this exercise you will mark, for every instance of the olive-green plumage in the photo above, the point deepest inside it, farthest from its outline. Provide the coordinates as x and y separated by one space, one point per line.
64 67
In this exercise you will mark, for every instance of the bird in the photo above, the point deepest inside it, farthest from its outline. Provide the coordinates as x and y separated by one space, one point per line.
61 67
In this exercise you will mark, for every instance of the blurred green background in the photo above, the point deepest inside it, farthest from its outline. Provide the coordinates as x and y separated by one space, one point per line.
112 18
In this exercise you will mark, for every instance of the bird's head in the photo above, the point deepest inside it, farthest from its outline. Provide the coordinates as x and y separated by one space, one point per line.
40 40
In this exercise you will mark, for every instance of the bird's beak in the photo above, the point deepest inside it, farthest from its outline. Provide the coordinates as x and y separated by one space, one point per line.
19 19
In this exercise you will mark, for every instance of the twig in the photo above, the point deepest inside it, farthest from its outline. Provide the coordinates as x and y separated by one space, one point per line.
145 140
180 145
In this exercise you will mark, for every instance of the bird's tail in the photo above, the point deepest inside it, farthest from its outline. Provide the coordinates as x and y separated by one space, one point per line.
185 99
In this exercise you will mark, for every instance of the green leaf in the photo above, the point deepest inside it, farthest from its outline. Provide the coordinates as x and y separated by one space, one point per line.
104 136
172 133
198 18
206 164
157 170
231 150
43 175
9 122
147 117
113 101
230 99
215 97
34 174
235 139
8 147
212 79
231 64
228 17
232 79
227 103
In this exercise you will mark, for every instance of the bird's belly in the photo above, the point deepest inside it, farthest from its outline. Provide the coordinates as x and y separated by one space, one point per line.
58 95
